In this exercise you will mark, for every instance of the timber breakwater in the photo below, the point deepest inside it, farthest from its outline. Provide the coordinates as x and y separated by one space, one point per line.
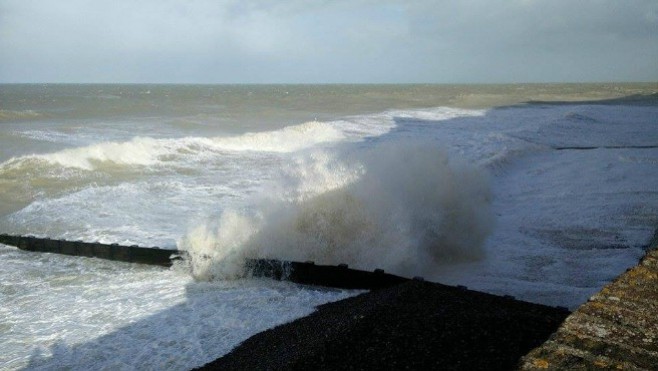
307 273
130 254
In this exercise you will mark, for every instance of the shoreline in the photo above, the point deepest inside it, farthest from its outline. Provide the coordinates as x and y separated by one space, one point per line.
421 325
416 324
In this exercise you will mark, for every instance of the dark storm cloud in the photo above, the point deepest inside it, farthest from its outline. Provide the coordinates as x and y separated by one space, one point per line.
331 41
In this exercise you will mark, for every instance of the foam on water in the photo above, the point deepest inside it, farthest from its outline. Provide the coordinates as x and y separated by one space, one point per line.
106 191
144 151
474 197
568 222
361 204
62 312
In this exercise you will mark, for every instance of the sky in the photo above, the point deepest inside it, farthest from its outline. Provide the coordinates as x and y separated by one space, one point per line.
322 41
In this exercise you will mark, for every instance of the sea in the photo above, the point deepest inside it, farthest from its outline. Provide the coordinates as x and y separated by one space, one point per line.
545 192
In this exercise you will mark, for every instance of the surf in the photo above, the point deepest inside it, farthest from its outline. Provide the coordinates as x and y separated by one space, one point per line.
408 207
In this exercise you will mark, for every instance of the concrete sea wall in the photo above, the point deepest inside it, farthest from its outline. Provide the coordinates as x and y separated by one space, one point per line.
617 329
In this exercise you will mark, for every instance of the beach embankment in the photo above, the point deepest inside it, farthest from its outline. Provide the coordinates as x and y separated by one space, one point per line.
617 328
413 325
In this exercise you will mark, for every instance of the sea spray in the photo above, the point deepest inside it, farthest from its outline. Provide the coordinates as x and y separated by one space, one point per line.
405 206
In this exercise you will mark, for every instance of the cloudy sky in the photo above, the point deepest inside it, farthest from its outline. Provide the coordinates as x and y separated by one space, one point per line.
306 41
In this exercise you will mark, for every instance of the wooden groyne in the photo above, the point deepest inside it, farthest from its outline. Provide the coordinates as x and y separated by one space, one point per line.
130 254
308 273
617 329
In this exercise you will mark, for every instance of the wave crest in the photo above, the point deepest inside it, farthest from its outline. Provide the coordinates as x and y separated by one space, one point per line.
145 151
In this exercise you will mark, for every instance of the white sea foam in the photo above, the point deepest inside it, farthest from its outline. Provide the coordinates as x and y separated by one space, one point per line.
145 151
407 208
61 312
44 135
288 139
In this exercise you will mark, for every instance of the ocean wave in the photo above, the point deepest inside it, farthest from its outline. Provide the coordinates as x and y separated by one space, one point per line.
409 208
146 151
8 115
288 139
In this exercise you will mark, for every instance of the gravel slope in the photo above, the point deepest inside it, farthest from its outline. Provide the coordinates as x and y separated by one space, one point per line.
414 325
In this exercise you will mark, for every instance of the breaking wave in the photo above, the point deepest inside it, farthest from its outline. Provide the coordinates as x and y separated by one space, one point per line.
406 207
145 151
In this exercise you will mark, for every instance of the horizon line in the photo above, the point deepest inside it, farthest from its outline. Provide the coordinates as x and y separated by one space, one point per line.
334 83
